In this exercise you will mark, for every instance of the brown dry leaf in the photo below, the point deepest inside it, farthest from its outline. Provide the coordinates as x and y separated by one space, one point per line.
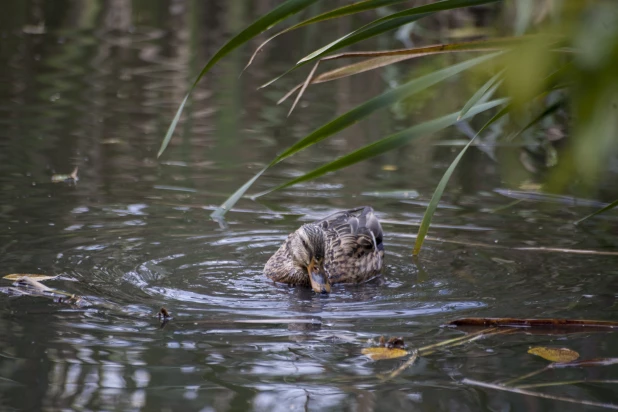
383 353
395 343
554 354
38 278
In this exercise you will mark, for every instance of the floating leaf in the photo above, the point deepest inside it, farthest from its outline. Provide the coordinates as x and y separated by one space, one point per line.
31 283
554 354
57 178
383 353
390 168
38 278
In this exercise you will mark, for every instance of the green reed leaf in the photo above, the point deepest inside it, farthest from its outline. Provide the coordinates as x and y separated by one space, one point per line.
331 14
279 13
387 57
231 201
390 22
379 102
546 112
437 194
495 80
358 113
386 144
383 25
598 212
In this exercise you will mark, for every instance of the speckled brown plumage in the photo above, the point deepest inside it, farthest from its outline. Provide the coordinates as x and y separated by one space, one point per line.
353 250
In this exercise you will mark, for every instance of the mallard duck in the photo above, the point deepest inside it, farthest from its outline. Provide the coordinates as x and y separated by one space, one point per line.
345 247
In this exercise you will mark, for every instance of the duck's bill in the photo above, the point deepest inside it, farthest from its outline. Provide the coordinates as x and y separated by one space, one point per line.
318 279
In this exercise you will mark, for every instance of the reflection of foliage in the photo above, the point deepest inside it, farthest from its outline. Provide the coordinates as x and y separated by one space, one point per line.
557 75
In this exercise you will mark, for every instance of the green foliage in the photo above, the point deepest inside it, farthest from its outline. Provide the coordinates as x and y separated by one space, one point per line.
388 143
561 62
437 195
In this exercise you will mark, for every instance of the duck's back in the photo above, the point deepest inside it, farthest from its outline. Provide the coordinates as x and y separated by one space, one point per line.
354 248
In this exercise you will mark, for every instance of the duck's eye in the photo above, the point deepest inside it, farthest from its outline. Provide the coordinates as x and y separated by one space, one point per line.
305 245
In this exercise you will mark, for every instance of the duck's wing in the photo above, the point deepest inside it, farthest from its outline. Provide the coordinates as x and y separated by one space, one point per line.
354 251
360 225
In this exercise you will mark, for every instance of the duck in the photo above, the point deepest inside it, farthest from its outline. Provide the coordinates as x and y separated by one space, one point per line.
344 247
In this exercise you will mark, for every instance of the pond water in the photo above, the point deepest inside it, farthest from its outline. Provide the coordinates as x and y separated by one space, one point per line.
94 84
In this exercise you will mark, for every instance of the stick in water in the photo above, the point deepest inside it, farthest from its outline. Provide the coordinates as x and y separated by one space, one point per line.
538 394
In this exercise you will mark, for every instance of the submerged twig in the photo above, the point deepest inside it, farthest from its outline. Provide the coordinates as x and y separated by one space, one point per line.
526 376
559 383
429 349
425 350
405 365
528 323
560 365
488 385
522 248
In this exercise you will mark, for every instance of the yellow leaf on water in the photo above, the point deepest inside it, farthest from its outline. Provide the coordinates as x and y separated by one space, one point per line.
389 168
530 186
38 278
383 353
554 354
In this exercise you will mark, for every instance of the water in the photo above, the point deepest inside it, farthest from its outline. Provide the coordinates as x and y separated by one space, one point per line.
95 89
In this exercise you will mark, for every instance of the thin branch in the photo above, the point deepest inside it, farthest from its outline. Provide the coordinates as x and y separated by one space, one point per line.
538 394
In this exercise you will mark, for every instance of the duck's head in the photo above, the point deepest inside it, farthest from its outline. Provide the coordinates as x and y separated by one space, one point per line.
308 244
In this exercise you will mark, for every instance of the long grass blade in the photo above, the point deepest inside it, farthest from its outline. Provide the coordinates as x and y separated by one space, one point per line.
279 13
304 87
495 80
382 25
386 144
379 102
331 14
384 58
358 113
437 195
548 111
390 22
170 130
231 201
598 212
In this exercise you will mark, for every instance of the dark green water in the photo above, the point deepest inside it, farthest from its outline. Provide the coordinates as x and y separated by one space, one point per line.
95 87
